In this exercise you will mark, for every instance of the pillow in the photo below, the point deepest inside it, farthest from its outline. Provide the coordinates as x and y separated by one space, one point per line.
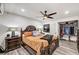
35 33
27 33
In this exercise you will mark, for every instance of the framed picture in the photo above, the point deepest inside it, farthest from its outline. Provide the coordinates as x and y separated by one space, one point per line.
46 27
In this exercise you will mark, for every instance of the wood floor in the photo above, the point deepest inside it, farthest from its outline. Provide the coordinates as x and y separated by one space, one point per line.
64 51
19 51
66 48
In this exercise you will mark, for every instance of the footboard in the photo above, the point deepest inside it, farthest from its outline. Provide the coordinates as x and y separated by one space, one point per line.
50 48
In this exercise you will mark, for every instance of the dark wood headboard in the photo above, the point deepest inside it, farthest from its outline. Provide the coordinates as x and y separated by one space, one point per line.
29 28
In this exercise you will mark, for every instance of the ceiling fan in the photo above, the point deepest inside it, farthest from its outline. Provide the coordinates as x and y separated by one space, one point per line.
45 15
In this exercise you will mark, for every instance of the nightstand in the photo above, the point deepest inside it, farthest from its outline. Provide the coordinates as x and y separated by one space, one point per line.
12 43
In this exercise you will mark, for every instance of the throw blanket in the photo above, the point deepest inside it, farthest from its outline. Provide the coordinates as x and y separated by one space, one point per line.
35 42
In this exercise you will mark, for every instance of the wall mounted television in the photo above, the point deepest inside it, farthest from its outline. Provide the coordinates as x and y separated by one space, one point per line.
46 27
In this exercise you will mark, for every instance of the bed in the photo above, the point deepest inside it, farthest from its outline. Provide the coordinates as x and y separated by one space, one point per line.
35 43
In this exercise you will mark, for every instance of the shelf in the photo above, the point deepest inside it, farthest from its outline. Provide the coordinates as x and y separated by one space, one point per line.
13 44
12 40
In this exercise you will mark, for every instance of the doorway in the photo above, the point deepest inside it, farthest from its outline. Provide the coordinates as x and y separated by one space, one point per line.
68 35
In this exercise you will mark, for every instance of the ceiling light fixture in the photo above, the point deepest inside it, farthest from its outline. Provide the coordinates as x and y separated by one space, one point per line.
45 17
22 10
66 12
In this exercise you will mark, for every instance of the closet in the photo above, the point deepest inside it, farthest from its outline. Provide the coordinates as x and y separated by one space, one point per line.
68 30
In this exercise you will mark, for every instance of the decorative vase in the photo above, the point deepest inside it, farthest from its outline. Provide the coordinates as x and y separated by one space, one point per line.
13 33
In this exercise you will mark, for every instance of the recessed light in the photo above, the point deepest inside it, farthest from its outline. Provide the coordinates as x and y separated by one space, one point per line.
66 12
22 10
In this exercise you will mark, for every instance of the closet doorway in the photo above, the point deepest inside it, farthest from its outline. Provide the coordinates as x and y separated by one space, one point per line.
68 35
68 30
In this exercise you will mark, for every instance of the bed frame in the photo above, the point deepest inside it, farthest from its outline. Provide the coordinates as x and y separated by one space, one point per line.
27 47
44 51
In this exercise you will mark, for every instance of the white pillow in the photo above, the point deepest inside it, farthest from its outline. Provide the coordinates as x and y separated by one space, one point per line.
35 33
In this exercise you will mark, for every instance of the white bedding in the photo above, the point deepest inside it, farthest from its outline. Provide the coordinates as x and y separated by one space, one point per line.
2 40
3 30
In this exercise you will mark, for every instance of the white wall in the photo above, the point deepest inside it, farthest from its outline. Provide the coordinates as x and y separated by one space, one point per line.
54 27
3 29
12 20
67 19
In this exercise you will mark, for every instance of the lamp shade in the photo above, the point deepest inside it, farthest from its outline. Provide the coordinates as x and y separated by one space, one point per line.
12 29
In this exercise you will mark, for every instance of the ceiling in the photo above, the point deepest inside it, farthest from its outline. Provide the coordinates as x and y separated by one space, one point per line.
32 10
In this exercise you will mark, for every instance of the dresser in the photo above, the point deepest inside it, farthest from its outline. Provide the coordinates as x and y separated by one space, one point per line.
12 43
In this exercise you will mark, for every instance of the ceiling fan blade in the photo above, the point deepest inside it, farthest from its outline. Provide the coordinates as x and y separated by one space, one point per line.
51 14
41 12
51 17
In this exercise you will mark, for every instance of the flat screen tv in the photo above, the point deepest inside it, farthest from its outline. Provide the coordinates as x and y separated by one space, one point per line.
46 27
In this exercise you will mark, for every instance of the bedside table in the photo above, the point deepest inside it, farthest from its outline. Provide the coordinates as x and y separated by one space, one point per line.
12 43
